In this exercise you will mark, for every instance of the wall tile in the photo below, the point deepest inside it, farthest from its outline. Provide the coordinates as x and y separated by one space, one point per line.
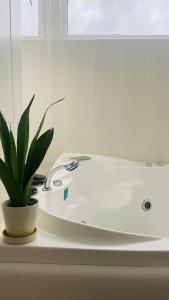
77 82
158 110
133 99
106 67
106 139
78 138
116 96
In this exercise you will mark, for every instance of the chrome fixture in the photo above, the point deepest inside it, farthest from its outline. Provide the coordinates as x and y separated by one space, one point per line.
149 164
81 157
57 182
160 164
69 165
146 205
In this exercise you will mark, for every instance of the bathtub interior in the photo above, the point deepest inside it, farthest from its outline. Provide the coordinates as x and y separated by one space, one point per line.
109 194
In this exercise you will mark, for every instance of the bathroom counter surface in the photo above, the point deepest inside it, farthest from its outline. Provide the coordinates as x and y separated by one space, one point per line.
47 248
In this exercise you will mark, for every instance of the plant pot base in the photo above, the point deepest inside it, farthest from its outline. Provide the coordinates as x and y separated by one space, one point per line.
19 239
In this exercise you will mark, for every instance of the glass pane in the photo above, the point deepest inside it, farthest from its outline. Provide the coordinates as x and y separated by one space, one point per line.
125 17
29 18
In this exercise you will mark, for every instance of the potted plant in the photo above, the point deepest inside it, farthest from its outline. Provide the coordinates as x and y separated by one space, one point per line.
20 163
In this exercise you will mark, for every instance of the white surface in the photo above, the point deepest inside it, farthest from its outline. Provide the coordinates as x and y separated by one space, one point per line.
10 65
5 62
50 249
108 194
19 221
60 245
116 93
16 62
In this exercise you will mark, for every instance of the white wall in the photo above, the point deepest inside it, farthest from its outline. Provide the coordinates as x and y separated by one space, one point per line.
16 61
117 96
10 66
10 60
117 91
5 61
6 105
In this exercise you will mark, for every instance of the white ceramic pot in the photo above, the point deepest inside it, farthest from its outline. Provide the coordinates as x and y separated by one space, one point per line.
19 221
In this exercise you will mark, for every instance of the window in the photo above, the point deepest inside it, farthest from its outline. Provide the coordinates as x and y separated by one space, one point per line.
29 18
118 17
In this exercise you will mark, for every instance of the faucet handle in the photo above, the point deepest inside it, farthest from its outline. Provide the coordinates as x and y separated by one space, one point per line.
71 165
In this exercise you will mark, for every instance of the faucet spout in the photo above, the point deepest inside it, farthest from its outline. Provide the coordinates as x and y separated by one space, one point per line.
69 165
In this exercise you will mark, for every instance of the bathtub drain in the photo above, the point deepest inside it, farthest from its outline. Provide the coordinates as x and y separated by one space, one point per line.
146 205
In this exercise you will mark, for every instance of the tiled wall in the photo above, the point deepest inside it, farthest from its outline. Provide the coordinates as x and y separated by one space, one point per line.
117 95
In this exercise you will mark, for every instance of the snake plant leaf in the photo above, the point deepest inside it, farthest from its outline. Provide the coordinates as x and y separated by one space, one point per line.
8 180
22 139
27 193
40 126
37 154
5 140
13 155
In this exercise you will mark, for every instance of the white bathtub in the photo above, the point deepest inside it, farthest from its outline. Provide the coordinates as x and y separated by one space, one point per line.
122 251
105 202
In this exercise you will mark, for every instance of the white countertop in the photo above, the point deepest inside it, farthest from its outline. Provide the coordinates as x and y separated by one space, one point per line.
47 248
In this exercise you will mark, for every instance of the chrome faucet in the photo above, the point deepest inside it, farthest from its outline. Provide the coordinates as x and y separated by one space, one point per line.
149 164
160 164
80 158
69 165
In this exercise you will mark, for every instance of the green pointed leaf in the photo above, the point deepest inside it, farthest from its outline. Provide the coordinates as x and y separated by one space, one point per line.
13 155
40 126
8 181
23 139
37 155
20 164
5 140
27 193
